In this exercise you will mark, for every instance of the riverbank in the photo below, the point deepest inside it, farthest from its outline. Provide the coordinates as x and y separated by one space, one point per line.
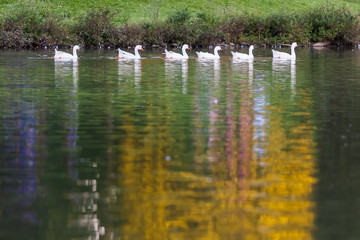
38 26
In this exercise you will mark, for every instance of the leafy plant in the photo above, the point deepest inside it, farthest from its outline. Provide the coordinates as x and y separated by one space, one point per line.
96 28
33 23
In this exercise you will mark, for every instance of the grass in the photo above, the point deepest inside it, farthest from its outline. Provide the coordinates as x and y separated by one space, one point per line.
136 11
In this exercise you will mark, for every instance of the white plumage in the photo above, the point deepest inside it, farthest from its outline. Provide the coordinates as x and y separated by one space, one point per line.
206 55
243 56
127 55
64 55
174 55
285 56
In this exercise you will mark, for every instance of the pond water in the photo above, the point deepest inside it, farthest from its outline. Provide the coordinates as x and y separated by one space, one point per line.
159 149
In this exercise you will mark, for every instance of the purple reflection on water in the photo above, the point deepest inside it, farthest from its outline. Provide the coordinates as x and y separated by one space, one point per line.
19 178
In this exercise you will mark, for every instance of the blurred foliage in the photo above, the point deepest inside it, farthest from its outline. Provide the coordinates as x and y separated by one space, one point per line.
37 25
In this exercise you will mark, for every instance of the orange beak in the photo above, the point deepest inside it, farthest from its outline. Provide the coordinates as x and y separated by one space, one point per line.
141 49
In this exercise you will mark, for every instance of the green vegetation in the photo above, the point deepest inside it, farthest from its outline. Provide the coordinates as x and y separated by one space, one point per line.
35 23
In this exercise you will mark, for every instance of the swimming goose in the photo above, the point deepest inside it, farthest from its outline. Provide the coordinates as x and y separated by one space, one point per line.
174 55
285 56
243 56
64 55
127 55
206 55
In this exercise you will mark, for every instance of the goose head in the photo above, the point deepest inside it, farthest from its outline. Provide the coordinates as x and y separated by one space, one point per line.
251 48
139 47
294 45
185 46
217 48
76 47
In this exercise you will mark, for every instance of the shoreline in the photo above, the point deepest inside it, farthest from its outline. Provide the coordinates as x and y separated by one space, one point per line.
322 44
318 45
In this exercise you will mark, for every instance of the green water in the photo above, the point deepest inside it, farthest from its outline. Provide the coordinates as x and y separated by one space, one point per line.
155 149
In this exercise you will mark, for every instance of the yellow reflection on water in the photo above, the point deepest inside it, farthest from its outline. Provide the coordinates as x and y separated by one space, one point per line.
228 190
288 179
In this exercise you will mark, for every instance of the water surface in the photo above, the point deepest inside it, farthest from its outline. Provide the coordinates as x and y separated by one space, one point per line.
157 149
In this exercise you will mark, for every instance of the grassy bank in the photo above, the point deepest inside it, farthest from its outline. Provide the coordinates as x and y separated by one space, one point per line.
28 24
145 10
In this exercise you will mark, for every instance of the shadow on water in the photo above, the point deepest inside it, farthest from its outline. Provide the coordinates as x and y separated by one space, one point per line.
337 96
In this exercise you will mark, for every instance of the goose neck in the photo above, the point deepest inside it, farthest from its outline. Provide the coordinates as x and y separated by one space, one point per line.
251 53
75 53
137 55
216 53
184 52
293 52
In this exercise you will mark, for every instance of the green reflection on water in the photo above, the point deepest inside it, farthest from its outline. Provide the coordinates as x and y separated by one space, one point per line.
155 149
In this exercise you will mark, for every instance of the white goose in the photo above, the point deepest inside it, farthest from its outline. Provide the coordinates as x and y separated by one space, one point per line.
64 55
127 55
243 56
206 55
174 55
285 56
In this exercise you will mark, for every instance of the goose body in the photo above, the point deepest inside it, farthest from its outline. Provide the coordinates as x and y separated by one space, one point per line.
285 56
64 55
243 56
206 55
174 55
127 55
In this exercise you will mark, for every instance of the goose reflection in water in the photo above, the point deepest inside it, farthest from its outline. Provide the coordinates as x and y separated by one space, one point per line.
130 70
293 76
243 69
215 113
137 72
209 69
282 69
65 68
64 71
84 201
184 70
67 78
176 68
217 73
